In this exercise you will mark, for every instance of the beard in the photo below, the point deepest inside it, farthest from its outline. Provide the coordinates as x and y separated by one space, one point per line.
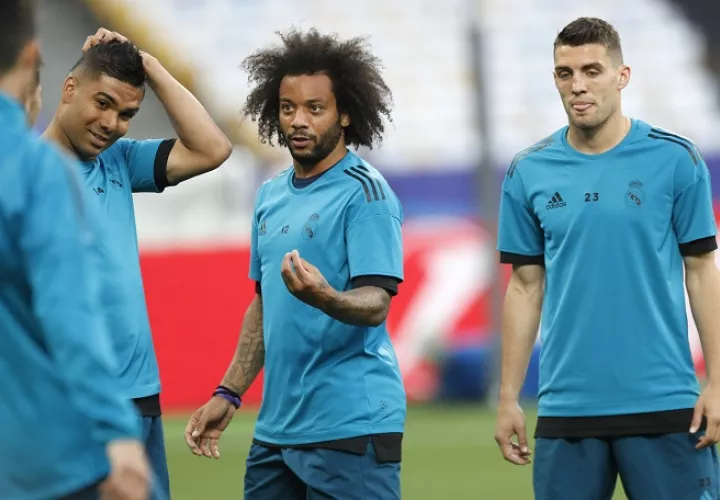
324 145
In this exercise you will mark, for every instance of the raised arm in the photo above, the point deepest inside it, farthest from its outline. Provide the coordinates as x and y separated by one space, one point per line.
201 145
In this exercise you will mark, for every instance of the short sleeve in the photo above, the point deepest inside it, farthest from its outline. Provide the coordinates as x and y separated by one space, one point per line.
146 162
693 215
374 237
520 237
255 268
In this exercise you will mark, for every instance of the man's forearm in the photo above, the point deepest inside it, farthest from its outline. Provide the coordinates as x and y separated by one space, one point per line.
364 306
250 352
520 322
703 286
194 126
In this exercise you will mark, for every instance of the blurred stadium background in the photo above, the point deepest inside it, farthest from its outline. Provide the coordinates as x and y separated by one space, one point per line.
472 86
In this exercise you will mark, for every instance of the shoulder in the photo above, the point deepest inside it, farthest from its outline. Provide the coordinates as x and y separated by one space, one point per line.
670 143
367 187
537 153
277 182
363 181
117 153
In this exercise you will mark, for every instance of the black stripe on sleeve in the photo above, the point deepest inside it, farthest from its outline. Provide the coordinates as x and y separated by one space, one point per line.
517 259
359 179
388 283
161 161
666 136
258 288
369 179
379 184
699 247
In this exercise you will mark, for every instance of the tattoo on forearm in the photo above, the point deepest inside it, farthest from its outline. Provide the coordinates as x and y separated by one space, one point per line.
250 353
364 306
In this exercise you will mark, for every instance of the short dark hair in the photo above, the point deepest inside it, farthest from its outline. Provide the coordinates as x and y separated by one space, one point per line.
17 29
120 60
358 85
591 30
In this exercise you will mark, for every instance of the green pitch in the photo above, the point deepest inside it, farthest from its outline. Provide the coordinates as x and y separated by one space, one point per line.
448 452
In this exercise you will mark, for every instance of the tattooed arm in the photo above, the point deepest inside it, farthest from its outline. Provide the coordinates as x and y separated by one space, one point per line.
250 352
364 306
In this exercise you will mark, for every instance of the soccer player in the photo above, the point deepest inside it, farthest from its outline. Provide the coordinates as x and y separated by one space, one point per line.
100 96
326 256
599 221
68 433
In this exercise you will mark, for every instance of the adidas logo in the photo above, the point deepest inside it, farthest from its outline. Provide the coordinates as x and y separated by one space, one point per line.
555 202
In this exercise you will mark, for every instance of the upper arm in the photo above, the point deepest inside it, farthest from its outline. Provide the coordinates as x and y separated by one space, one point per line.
147 163
520 237
528 276
693 216
699 264
374 236
184 163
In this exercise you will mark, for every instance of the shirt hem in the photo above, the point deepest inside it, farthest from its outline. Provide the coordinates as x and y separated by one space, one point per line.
143 391
295 439
583 410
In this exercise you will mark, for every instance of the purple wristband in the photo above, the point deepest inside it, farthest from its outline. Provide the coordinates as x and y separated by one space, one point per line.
228 396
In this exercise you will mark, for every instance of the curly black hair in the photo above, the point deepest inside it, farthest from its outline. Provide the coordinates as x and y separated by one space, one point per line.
359 88
120 60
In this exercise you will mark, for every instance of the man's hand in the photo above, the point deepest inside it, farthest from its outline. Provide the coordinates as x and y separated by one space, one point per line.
511 423
708 405
129 477
304 280
206 426
102 36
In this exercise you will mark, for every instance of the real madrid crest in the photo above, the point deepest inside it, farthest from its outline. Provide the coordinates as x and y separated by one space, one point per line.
635 194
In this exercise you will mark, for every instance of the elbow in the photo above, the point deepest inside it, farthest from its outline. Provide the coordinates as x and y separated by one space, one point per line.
378 315
221 152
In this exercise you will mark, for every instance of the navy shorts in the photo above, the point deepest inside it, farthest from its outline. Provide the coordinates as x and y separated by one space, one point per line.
660 467
315 474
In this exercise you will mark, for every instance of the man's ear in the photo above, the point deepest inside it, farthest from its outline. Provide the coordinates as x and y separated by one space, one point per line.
69 89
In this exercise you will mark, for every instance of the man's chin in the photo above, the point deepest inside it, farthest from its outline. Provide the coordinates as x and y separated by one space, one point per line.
304 156
88 152
585 122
